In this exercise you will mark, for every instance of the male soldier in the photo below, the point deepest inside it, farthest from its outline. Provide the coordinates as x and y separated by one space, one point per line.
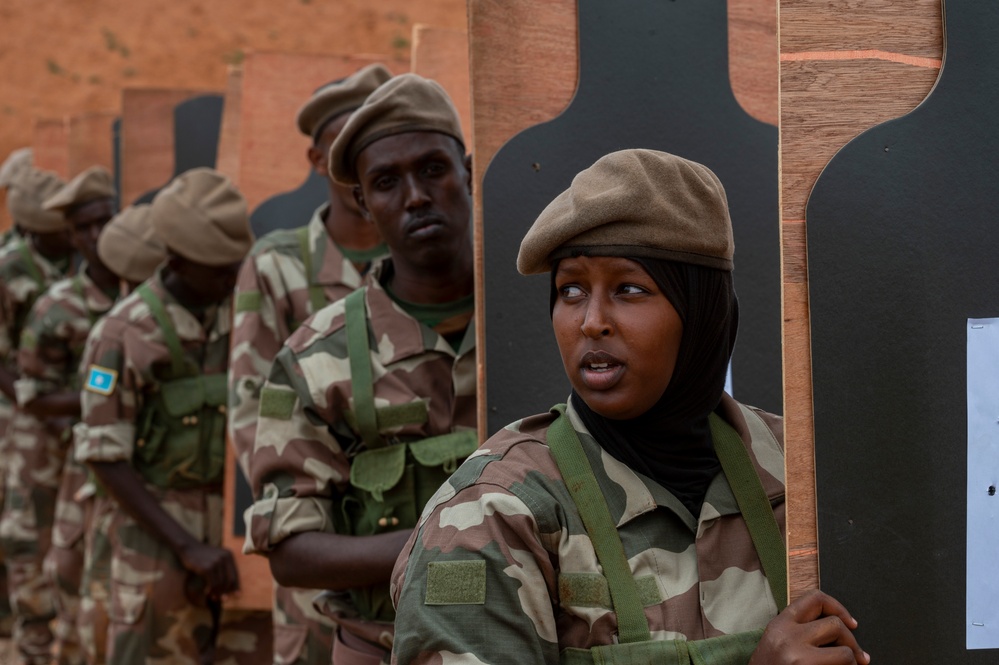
27 267
129 247
372 401
154 414
14 164
289 275
47 402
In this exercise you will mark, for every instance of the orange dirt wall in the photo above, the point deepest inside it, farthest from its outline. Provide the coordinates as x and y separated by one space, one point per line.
61 58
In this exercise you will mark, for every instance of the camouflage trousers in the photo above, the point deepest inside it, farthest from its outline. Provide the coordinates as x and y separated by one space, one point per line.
302 635
65 559
95 587
34 463
6 612
152 618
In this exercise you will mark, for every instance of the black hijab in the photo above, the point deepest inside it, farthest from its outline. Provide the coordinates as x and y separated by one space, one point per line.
671 442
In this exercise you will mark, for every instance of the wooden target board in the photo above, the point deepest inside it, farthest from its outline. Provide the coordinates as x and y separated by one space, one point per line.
148 139
91 141
441 54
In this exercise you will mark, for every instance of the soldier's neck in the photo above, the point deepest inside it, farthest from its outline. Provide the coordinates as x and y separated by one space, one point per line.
422 286
102 276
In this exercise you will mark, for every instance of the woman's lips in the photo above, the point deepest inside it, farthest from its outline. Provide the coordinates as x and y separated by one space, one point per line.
600 370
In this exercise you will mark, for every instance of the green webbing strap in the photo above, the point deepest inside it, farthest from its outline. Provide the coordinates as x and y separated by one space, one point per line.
316 295
80 291
754 506
361 380
29 260
572 462
166 327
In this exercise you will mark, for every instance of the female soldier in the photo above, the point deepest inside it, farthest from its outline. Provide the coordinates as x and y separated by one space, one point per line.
643 521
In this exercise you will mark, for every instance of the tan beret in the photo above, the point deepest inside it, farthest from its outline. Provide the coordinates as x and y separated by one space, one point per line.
406 103
340 97
15 162
94 183
25 195
634 203
128 245
202 216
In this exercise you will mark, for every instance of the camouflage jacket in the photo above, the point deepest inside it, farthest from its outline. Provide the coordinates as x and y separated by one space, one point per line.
24 276
501 569
272 299
304 444
129 347
54 336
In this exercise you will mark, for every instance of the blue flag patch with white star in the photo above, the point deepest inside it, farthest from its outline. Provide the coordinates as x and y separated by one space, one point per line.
101 380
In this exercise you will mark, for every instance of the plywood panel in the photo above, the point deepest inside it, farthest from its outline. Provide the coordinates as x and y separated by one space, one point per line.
50 141
844 66
147 138
227 161
441 54
272 155
90 141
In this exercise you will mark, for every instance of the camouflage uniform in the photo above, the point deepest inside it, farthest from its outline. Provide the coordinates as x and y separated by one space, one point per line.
274 296
24 276
48 360
306 444
502 571
151 618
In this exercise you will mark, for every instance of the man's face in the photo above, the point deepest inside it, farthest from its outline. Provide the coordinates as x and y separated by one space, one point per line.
86 222
204 285
417 188
319 157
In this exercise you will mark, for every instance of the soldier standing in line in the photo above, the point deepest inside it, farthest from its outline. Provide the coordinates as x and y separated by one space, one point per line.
52 340
289 275
154 410
15 163
79 559
27 267
372 401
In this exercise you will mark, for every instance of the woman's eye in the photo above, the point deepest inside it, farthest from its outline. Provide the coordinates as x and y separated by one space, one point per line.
571 291
632 289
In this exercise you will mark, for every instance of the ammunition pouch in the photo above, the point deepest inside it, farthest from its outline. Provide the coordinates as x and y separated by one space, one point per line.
389 487
180 441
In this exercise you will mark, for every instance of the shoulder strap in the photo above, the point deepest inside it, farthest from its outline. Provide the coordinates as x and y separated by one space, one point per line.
166 326
317 297
753 504
29 260
572 462
361 379
82 292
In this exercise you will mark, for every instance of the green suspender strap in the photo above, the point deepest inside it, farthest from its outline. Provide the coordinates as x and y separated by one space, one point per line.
29 261
316 295
754 506
575 467
362 383
166 326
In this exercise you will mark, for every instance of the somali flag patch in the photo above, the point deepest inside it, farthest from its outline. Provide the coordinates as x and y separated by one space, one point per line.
101 380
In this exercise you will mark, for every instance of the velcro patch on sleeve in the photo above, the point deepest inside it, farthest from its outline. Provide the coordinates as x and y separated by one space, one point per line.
456 583
276 403
248 301
101 380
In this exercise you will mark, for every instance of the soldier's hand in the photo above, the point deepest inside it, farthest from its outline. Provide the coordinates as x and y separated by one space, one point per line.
213 564
816 629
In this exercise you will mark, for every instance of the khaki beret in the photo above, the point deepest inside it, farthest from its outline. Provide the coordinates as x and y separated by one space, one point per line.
128 244
27 191
406 103
340 97
201 216
634 203
94 183
15 162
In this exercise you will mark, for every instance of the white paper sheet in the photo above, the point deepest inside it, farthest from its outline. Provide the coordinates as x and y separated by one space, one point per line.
983 484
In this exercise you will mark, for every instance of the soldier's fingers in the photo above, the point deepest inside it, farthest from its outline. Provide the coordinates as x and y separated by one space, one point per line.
831 632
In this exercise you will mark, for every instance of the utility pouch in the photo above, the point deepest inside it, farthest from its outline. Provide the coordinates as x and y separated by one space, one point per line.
388 489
